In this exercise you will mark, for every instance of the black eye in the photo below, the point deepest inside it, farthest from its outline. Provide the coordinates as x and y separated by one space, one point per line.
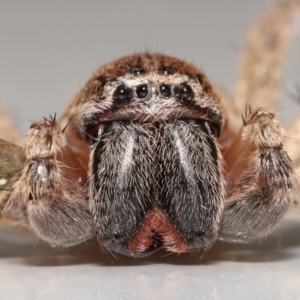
136 70
166 70
122 93
165 90
142 91
184 92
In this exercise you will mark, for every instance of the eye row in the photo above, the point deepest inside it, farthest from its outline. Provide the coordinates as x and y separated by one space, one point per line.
182 92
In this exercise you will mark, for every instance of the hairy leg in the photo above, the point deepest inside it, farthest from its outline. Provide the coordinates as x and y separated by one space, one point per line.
293 142
263 57
12 161
260 179
52 192
292 146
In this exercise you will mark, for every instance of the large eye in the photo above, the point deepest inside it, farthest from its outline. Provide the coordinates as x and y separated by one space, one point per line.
142 91
165 90
122 93
184 92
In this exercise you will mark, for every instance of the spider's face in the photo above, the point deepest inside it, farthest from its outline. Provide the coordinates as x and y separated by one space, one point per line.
148 89
154 175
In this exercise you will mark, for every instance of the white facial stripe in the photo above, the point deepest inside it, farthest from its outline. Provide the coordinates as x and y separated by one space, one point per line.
127 160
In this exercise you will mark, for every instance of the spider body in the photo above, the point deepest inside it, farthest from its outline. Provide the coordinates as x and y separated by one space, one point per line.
151 155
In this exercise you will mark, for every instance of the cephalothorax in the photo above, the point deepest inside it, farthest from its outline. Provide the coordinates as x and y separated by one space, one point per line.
150 154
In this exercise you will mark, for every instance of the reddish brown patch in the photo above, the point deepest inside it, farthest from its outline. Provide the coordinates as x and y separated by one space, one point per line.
156 224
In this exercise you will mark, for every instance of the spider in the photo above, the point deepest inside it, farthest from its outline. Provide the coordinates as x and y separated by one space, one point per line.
150 154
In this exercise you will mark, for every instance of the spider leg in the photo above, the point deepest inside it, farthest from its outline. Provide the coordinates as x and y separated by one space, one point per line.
52 189
12 160
292 146
293 142
263 57
260 179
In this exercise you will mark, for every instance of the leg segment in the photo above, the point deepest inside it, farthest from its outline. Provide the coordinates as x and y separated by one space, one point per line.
292 147
293 143
262 59
52 190
260 179
12 161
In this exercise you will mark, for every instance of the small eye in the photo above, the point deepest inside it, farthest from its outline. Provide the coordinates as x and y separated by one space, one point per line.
122 93
166 70
136 70
142 91
165 90
184 92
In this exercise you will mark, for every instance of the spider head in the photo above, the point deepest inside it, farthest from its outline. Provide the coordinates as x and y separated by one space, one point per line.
148 89
136 112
